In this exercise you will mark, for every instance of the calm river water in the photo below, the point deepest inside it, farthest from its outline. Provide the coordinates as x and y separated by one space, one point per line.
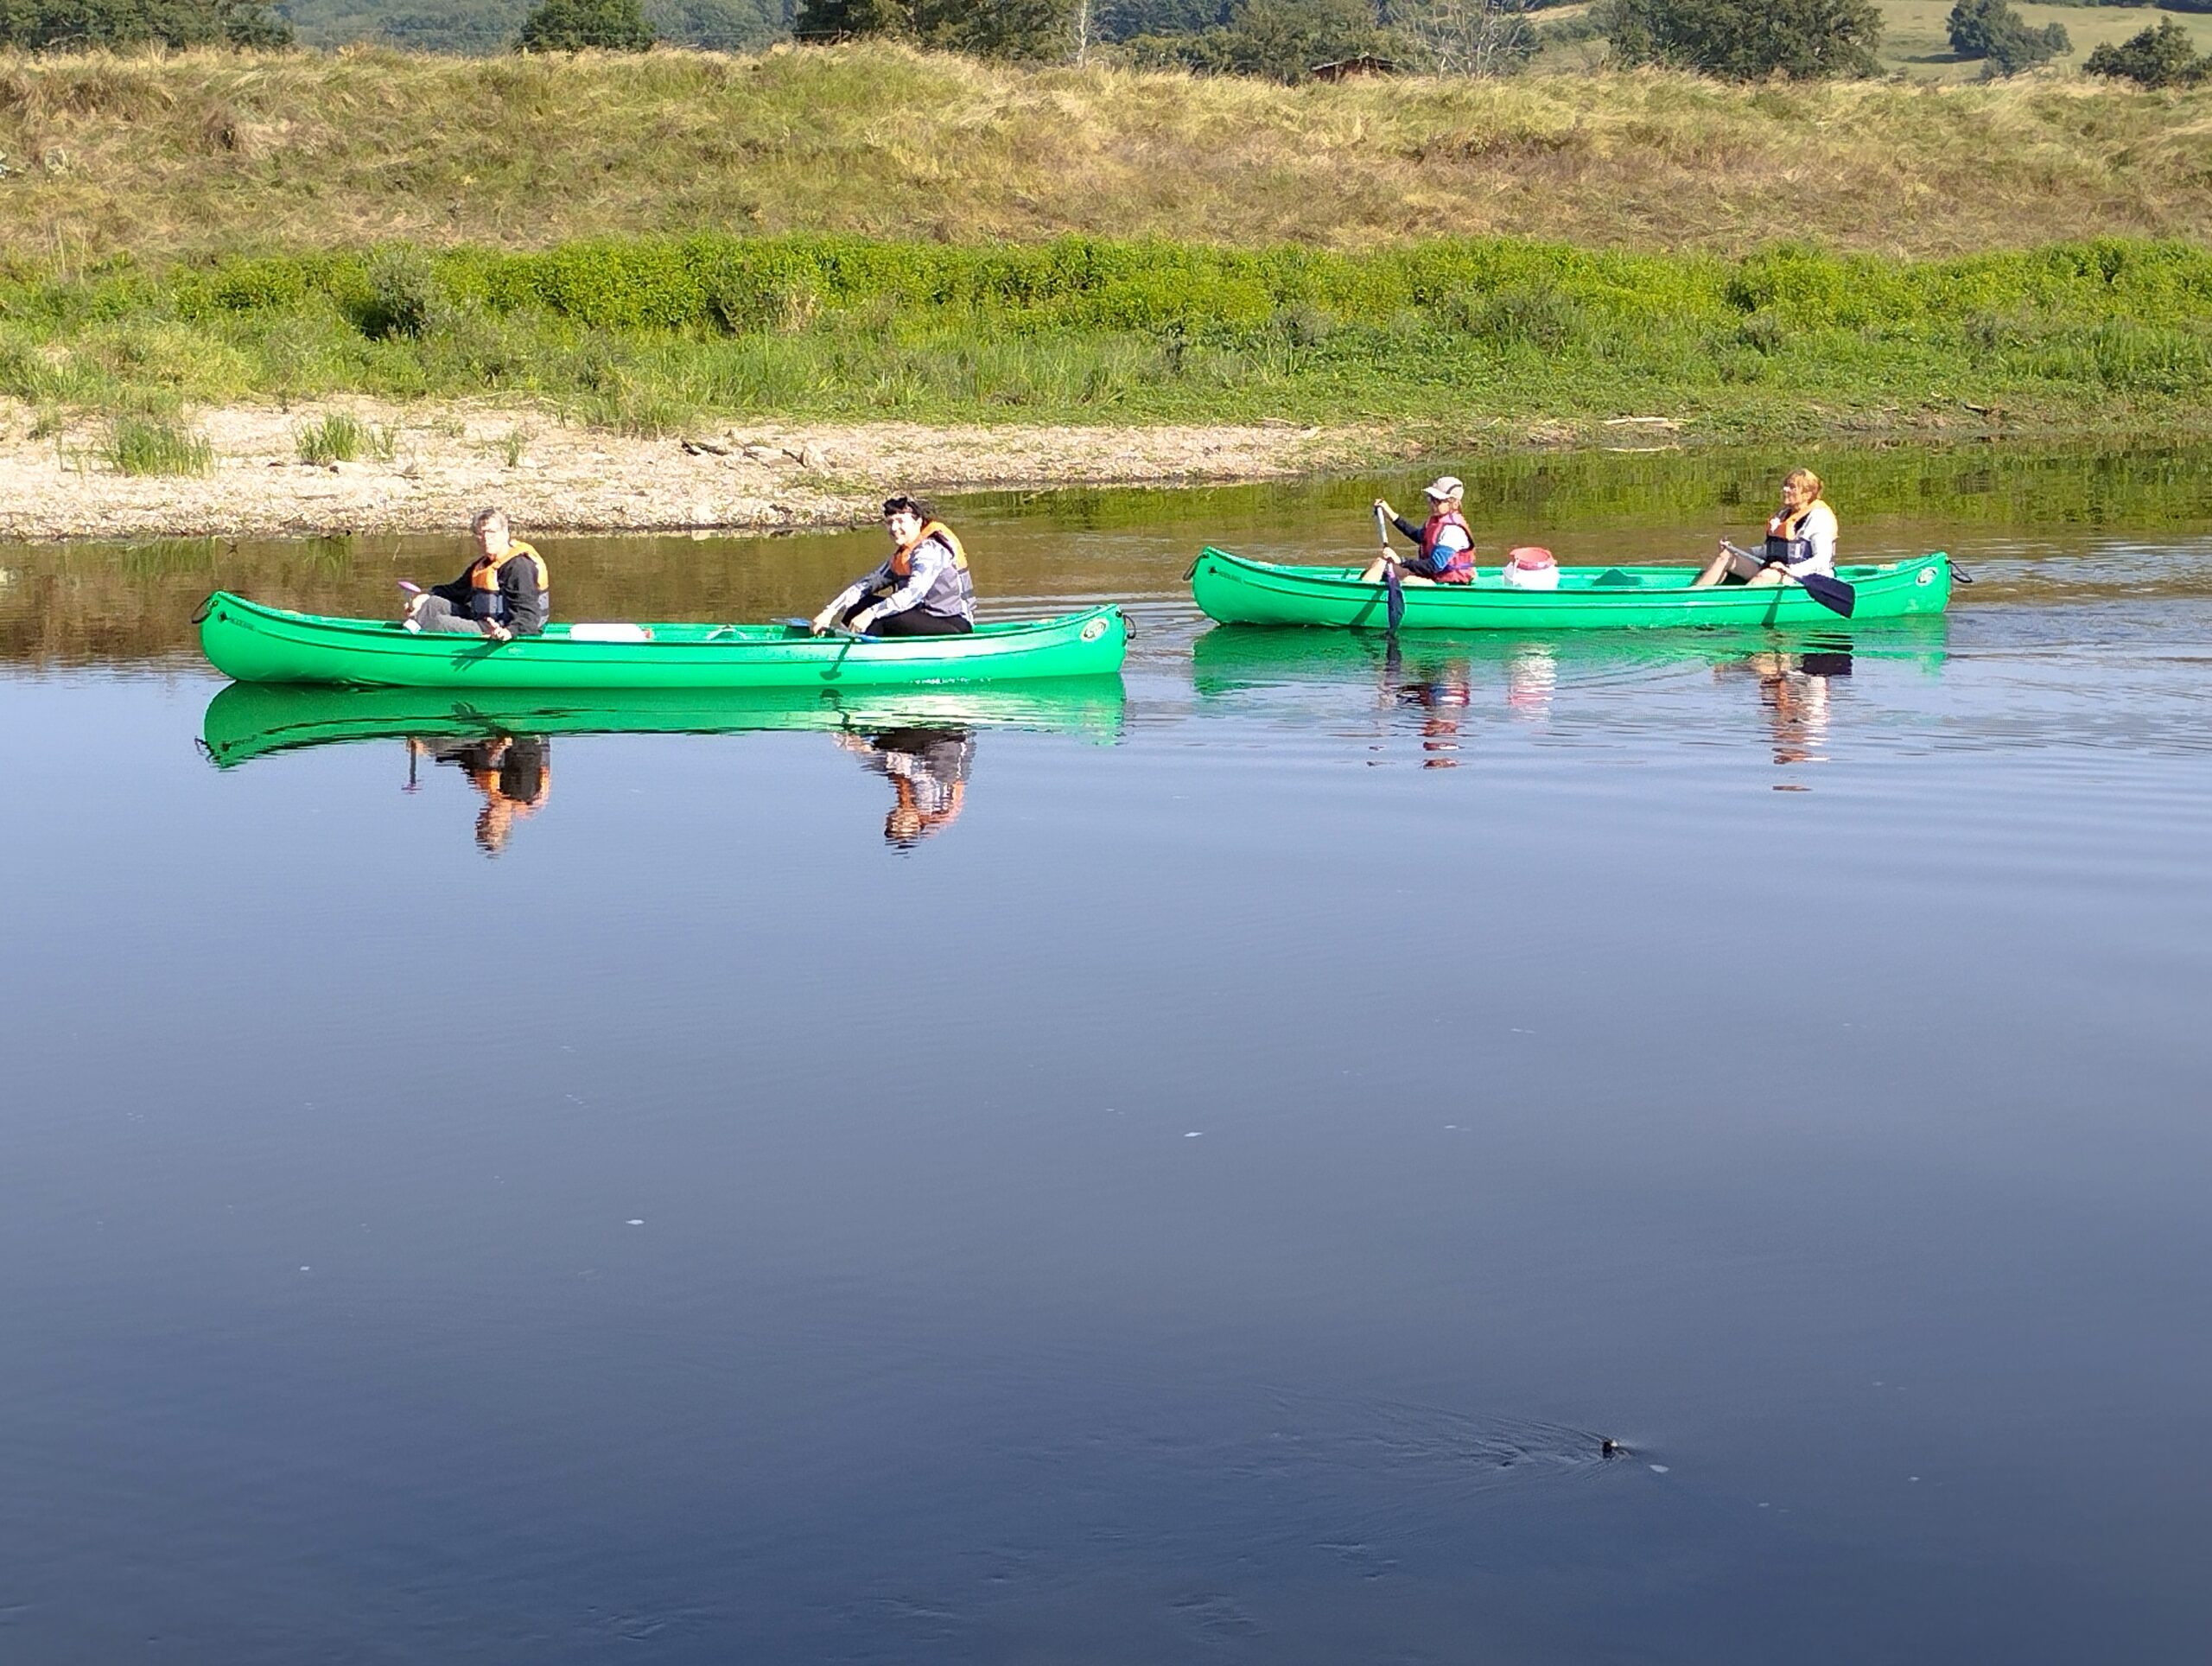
1190 1170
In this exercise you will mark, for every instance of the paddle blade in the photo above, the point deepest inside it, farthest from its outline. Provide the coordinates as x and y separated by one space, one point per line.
1832 594
1394 606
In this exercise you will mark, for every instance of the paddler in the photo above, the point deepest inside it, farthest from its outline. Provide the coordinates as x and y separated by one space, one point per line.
1800 539
1444 550
923 590
504 594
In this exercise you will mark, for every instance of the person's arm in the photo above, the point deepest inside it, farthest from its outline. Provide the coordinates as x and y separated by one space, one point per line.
1819 532
1404 527
931 558
851 593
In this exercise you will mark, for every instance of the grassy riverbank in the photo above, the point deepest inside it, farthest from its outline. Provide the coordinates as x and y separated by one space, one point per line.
158 156
1459 342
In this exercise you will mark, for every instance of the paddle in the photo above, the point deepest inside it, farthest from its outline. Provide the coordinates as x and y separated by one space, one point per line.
1393 592
1832 594
833 630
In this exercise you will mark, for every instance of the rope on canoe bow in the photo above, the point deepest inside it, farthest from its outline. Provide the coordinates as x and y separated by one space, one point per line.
1959 574
200 615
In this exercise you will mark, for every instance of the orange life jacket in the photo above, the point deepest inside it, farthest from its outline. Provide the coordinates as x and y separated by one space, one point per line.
902 559
485 575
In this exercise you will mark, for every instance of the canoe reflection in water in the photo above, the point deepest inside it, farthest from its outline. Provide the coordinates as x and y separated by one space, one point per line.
928 769
1793 687
513 772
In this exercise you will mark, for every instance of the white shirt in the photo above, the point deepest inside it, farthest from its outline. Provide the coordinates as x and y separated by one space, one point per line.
1818 529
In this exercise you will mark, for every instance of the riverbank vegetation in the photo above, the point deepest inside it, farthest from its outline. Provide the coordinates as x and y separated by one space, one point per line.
1464 341
156 157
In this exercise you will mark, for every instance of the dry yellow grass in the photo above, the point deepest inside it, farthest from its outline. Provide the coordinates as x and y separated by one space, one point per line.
157 156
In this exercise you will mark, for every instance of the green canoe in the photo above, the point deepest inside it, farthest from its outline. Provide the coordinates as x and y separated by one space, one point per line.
254 644
247 721
1239 592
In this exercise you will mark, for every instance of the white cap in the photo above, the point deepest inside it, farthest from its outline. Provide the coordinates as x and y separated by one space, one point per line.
1445 486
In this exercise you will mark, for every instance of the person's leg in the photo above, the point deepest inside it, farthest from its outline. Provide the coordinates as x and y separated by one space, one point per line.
433 612
1765 578
1727 565
1372 573
919 622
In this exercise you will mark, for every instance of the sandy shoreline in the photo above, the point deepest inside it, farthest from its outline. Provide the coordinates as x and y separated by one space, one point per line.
446 461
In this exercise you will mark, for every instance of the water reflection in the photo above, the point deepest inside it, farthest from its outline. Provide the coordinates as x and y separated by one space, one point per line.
922 741
928 769
1794 690
514 773
1443 686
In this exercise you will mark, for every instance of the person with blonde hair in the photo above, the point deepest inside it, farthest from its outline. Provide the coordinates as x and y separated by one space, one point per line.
1800 542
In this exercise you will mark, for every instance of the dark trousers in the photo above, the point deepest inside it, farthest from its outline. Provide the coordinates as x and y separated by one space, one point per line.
915 621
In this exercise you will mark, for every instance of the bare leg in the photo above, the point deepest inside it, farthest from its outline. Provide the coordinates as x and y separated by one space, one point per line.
1766 578
1715 570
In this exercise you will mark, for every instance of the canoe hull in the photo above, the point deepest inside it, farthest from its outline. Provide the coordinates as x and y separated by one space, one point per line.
1236 591
253 644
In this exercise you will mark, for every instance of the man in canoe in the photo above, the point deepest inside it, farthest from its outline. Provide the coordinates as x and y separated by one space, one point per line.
923 590
1444 550
504 594
1800 540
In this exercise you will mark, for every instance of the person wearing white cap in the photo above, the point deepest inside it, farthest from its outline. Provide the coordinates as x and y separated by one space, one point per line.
1444 548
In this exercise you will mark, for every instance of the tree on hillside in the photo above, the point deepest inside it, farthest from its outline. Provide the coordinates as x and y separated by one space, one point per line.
40 25
1281 40
577 25
1468 37
1747 40
991 28
839 20
717 25
1991 29
2164 56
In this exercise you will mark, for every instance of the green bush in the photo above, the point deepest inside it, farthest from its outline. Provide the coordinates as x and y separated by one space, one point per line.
2165 56
585 25
1747 40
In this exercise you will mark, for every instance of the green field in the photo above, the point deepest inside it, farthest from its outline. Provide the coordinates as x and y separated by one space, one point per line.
1914 39
1467 341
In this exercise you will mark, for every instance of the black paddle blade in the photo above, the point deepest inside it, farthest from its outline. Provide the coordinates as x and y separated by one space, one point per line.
1393 604
1832 594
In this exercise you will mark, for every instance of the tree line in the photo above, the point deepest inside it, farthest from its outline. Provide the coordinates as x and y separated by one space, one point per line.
1283 40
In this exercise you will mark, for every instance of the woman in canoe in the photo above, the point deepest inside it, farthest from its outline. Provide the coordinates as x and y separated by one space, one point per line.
1444 550
1800 539
504 594
923 590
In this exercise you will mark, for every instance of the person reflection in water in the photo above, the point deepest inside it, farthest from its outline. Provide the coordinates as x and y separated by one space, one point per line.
1442 698
928 769
513 772
1793 689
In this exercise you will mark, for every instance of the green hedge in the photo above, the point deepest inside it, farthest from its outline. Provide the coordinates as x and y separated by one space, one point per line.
722 285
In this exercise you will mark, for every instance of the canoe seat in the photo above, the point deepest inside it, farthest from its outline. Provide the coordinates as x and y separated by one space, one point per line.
1614 578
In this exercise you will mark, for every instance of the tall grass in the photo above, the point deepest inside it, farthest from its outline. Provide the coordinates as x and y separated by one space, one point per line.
153 445
154 156
651 336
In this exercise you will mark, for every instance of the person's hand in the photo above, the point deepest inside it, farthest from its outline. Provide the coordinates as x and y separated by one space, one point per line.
499 633
859 622
820 623
1384 504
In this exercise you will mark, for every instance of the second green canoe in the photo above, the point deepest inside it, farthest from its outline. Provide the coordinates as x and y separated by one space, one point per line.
1236 591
